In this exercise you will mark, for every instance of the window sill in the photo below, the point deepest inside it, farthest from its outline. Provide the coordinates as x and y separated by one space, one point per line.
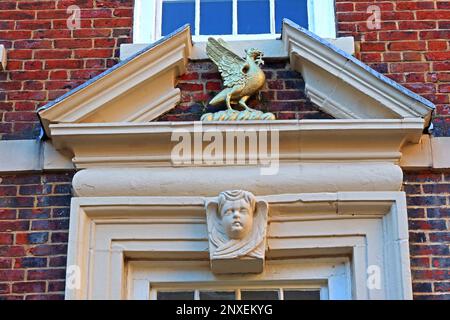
272 48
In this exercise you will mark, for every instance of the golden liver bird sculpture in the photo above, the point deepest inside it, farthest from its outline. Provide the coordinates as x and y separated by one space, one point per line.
242 79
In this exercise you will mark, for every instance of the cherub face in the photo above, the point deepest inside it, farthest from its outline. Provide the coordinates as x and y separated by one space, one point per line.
237 218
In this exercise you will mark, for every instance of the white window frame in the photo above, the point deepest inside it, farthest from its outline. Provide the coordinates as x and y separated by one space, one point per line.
148 20
330 276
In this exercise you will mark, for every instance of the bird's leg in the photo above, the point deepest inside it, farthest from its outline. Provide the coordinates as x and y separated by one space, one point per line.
243 101
228 101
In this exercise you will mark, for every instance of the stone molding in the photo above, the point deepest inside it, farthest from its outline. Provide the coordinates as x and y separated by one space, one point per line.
103 145
107 232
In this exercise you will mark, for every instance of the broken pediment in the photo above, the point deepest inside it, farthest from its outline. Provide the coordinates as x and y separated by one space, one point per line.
325 82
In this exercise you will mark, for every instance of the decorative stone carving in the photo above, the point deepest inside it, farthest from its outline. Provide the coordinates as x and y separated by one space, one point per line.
242 78
237 224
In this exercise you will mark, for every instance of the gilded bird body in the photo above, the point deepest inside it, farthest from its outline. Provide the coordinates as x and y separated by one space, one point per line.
242 78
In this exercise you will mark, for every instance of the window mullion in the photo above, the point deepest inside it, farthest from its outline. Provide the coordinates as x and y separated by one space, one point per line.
235 17
272 16
197 18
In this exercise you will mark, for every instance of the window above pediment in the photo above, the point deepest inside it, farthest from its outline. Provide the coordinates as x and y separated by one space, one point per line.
231 19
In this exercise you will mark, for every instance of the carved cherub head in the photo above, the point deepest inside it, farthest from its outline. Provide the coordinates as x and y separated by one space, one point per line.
236 210
236 224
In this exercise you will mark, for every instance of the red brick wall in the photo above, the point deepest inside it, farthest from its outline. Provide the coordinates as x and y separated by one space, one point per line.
34 221
46 59
412 47
428 200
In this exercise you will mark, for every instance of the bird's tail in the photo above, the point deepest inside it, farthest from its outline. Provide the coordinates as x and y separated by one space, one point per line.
217 99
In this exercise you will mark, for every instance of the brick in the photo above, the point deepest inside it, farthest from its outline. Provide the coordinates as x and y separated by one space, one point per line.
113 23
427 225
12 251
32 238
45 297
422 287
398 35
436 188
190 86
93 53
8 226
423 262
60 237
438 212
409 67
426 201
60 261
433 15
7 214
6 238
417 237
12 275
28 287
59 224
416 25
441 262
33 44
52 54
426 250
416 212
30 262
35 213
290 95
56 286
49 250
422 177
441 34
213 86
442 287
50 201
5 288
63 64
92 33
46 274
431 274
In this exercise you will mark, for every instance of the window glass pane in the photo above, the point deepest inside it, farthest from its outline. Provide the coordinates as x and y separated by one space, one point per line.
176 13
301 295
217 295
259 295
253 16
295 10
216 17
175 295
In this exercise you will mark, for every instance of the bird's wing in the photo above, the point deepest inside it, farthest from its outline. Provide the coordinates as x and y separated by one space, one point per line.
230 65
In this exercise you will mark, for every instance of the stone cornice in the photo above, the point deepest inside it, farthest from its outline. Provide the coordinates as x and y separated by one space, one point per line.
150 144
